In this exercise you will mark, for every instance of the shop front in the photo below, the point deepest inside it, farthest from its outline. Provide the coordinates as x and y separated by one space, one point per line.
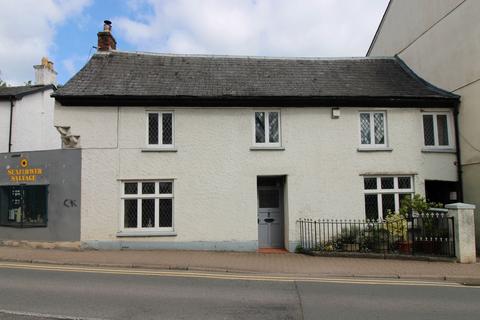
40 195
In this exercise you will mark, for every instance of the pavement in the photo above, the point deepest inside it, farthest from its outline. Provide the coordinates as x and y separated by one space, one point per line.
249 262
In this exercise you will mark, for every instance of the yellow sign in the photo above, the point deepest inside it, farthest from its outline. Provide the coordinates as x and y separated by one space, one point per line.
25 174
24 163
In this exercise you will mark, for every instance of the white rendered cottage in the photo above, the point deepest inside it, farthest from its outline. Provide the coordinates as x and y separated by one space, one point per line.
221 152
26 113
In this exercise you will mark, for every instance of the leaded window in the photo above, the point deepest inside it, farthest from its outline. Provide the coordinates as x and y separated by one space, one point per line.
384 195
160 129
373 129
267 128
147 206
437 132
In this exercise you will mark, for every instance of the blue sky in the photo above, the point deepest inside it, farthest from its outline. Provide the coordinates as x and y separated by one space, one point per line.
65 30
75 40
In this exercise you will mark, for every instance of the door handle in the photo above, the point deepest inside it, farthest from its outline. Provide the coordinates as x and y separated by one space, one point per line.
269 220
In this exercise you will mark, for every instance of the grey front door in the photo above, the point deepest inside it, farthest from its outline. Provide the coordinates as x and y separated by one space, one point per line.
270 216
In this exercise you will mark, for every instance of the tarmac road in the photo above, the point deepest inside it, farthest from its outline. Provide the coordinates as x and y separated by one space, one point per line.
34 292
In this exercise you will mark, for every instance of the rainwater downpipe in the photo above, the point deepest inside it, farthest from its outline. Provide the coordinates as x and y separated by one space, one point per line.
457 146
12 104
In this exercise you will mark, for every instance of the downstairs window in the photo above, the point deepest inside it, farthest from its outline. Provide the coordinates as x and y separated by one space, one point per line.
147 206
385 194
23 206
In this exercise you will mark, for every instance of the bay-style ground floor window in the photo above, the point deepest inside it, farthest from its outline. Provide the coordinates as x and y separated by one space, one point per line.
23 206
385 194
147 206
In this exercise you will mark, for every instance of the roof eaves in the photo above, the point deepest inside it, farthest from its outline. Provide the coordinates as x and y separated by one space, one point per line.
264 101
410 72
20 95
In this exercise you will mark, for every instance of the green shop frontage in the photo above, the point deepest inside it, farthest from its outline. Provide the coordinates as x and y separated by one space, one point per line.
40 195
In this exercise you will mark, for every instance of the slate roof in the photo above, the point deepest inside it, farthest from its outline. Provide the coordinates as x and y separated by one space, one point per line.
19 92
133 78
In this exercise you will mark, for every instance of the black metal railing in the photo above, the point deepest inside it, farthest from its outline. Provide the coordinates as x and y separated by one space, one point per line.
421 234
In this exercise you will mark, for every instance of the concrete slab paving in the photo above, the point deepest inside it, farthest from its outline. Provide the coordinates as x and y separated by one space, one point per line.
239 262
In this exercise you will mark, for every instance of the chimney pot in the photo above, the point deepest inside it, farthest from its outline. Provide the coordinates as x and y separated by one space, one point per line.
107 25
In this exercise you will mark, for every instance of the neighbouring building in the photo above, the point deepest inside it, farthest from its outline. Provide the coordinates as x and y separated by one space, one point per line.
227 153
39 182
26 113
439 40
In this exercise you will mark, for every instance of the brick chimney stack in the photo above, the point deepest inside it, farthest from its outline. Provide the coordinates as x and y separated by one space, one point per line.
106 41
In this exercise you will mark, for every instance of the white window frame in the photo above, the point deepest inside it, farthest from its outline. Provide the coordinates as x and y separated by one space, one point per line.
267 143
372 143
396 191
139 196
436 146
160 144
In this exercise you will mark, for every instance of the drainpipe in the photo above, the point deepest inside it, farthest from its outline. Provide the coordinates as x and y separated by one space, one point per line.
12 104
457 144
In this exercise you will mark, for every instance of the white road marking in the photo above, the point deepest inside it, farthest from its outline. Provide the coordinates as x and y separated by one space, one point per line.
44 315
230 276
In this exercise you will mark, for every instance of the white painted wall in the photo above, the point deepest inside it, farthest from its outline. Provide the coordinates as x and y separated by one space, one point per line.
32 123
215 171
4 125
439 40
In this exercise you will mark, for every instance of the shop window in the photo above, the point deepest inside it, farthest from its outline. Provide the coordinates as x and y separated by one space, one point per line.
23 206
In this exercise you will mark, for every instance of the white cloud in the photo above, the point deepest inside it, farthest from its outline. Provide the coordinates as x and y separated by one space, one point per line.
253 27
71 64
27 30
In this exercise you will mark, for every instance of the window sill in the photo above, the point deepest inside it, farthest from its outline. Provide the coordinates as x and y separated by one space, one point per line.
373 149
439 150
146 234
159 150
266 148
24 226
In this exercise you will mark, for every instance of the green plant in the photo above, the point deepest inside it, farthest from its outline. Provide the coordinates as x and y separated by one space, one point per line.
299 249
397 225
350 235
417 204
375 238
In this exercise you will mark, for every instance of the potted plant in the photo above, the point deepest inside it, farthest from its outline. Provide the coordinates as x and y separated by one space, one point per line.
397 225
425 229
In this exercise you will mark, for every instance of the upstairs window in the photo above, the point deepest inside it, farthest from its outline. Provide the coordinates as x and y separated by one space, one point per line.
373 129
267 128
437 131
160 127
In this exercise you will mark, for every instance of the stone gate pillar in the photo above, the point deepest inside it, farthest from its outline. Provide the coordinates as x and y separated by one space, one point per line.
464 226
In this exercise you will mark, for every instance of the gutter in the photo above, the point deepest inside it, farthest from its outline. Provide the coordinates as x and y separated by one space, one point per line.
12 104
457 146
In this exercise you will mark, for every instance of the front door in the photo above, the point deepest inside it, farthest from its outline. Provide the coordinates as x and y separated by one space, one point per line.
270 212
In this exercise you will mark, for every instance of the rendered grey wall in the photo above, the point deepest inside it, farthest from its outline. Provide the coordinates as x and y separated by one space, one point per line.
61 172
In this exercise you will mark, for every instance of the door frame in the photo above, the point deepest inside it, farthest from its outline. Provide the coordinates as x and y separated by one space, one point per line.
282 179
